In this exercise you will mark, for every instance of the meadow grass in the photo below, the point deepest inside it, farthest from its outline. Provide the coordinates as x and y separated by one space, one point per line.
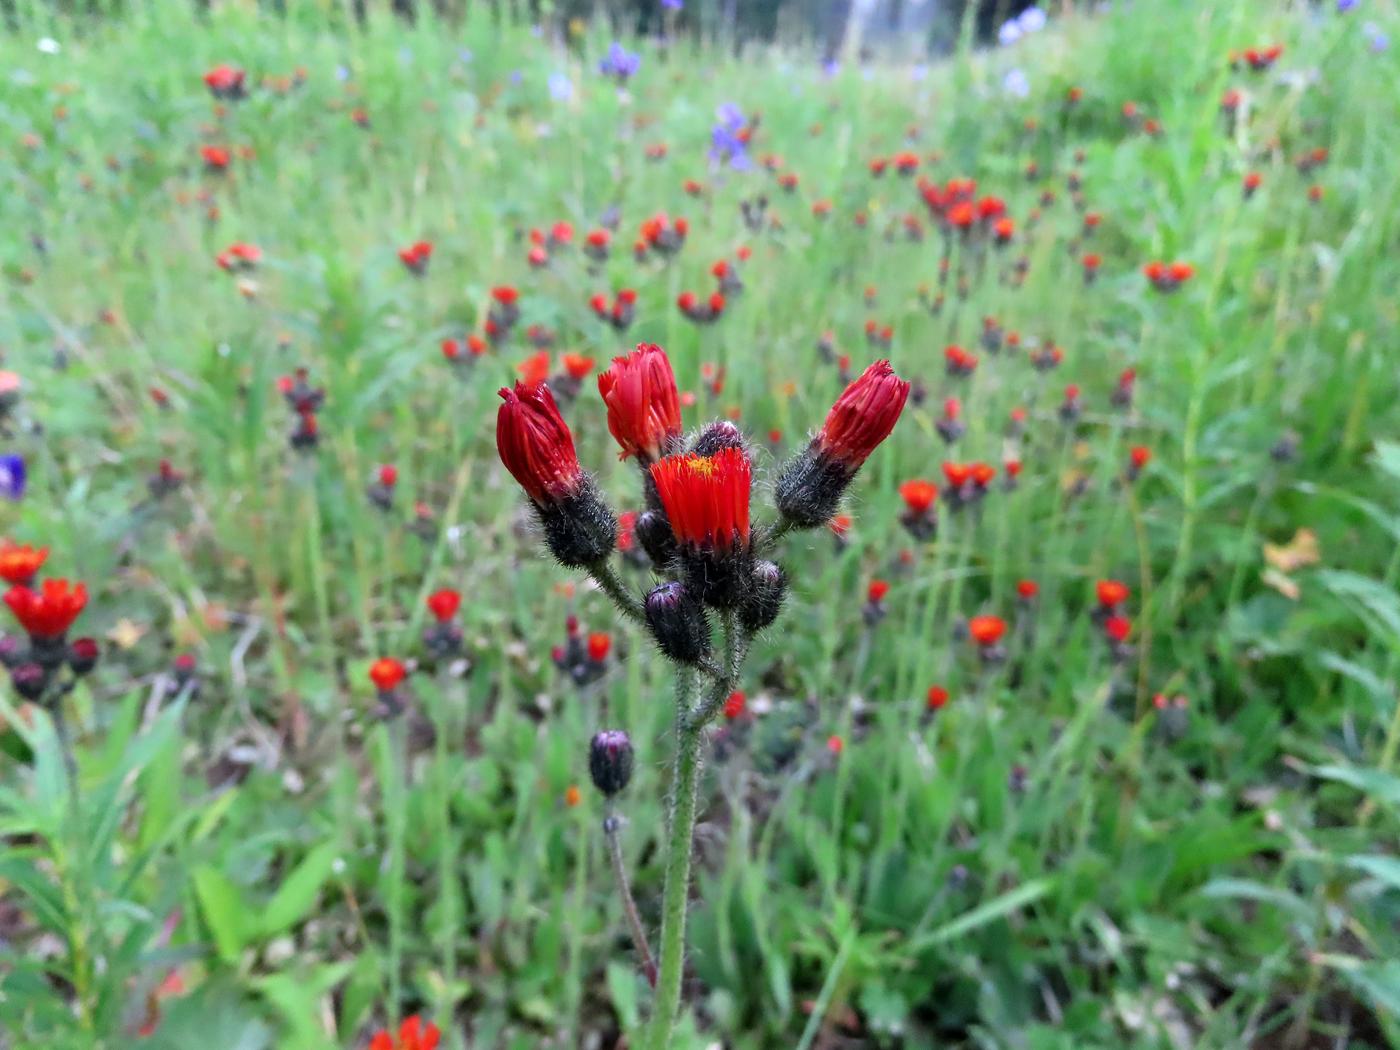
1050 860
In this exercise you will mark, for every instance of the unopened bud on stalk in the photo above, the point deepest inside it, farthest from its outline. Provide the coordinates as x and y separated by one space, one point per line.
30 680
653 532
718 435
537 448
678 623
610 761
765 597
810 487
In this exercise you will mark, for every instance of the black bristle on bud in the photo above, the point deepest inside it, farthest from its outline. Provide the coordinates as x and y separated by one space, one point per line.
678 623
579 529
720 579
764 599
610 761
809 489
653 532
82 655
720 434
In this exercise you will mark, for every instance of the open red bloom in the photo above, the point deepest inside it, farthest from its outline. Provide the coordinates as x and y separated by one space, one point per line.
48 612
986 630
1139 455
577 365
225 81
644 410
416 255
734 704
215 157
19 565
918 495
863 416
444 604
1027 589
598 645
877 590
388 475
937 697
535 444
413 1035
1118 628
706 498
1111 592
386 673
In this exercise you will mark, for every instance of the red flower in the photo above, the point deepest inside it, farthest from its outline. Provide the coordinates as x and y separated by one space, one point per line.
1139 455
535 444
577 365
386 673
937 697
835 744
734 704
1111 593
225 81
534 370
863 416
644 411
48 612
877 590
986 630
706 498
1027 589
1118 628
388 475
216 158
444 604
416 256
413 1035
598 645
19 565
918 495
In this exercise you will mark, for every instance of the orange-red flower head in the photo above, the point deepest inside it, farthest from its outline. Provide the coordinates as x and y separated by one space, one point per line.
706 498
386 673
48 612
644 410
19 565
986 630
444 604
414 1034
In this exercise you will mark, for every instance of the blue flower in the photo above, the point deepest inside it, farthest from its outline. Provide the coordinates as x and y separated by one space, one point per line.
1032 20
1343 6
1009 33
561 88
12 476
620 63
728 143
1015 83
673 5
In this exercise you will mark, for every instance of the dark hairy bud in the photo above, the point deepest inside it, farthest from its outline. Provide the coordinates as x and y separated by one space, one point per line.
764 599
610 761
678 623
579 528
82 655
30 680
653 532
809 489
718 435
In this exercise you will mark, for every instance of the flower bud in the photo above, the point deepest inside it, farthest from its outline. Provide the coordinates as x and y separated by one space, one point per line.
764 599
610 761
718 435
653 531
82 655
810 487
678 623
30 680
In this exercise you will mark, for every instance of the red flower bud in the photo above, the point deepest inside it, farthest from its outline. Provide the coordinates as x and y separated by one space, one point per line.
863 416
644 412
535 444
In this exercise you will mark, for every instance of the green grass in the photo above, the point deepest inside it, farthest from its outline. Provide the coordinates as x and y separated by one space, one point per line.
1046 863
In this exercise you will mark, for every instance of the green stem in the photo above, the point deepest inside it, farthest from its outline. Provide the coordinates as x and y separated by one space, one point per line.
627 603
685 782
612 824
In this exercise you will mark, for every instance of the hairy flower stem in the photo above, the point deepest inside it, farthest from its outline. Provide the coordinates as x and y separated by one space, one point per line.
612 824
627 603
691 720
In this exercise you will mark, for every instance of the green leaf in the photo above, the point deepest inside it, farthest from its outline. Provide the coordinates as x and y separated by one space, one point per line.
1384 787
991 911
300 891
1387 458
227 915
1379 867
1374 597
1245 889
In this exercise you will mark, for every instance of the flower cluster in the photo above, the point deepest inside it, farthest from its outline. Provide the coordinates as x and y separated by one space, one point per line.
45 611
